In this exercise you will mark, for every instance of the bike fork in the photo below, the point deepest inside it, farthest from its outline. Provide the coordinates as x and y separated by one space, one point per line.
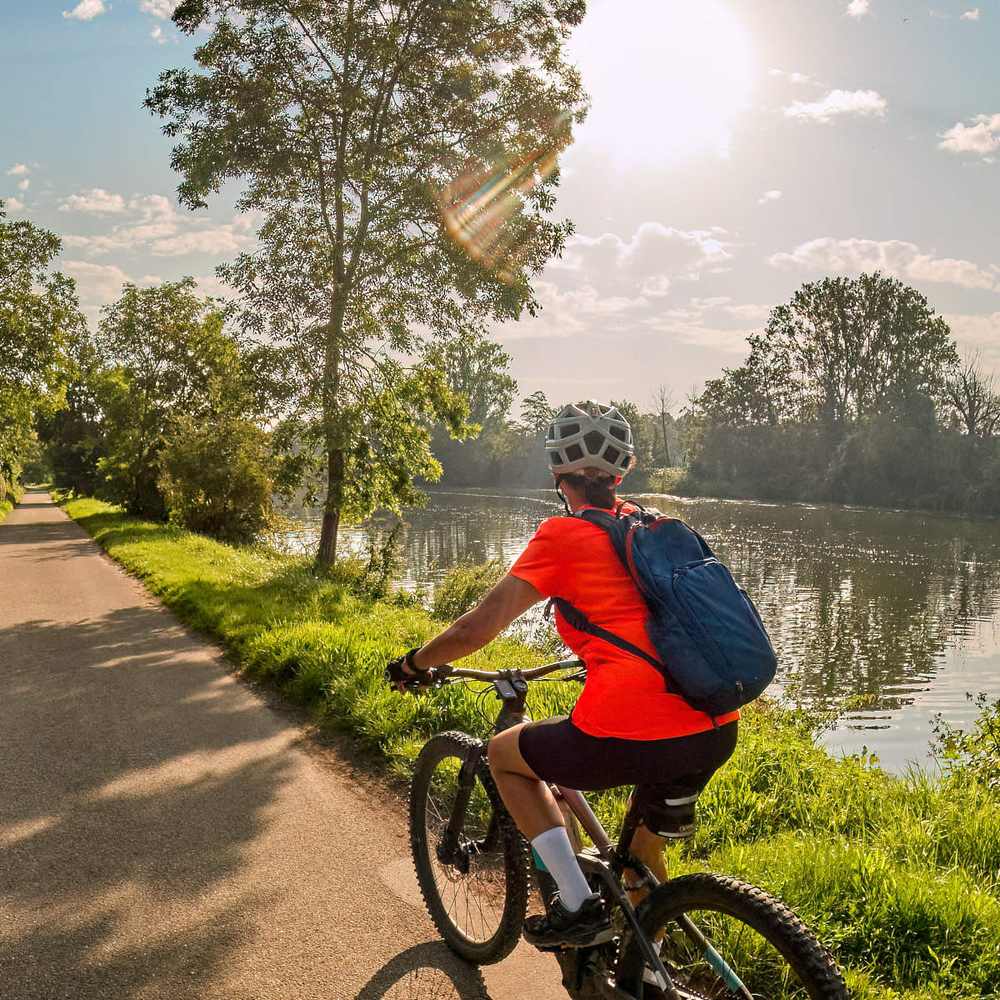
448 847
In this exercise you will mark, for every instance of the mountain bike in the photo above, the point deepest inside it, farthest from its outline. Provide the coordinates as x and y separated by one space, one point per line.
696 937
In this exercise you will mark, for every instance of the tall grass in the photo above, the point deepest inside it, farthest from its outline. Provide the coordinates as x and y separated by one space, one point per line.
900 876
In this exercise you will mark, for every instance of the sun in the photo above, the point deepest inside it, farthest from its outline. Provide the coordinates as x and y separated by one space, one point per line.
667 78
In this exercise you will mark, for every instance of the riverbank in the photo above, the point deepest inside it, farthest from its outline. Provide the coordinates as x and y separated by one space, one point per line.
901 877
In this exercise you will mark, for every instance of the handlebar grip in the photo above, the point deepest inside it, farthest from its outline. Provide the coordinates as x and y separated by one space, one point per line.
394 674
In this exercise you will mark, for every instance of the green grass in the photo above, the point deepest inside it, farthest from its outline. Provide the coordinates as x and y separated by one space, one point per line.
900 876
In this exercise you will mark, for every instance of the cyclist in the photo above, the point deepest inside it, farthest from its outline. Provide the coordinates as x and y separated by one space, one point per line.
626 728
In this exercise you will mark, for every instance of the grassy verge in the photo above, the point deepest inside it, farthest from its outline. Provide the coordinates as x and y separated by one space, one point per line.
900 876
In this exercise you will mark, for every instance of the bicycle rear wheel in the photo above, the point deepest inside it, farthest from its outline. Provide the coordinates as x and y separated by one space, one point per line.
475 884
762 941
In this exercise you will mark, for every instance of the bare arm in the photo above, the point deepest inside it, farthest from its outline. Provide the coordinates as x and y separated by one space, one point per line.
508 599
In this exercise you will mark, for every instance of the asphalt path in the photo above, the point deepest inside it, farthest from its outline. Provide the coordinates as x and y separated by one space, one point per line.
166 831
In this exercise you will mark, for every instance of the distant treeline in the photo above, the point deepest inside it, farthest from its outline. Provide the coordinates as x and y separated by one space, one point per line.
853 393
509 452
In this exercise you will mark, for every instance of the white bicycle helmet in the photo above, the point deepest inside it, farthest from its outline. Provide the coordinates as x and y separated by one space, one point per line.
589 435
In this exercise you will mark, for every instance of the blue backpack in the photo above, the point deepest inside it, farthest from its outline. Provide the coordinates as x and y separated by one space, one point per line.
711 643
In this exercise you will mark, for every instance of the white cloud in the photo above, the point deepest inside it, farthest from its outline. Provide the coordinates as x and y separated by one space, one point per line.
218 240
981 138
653 250
19 170
769 196
793 77
87 10
96 200
607 286
904 260
156 227
971 15
838 103
14 205
97 283
977 332
24 185
158 8
858 8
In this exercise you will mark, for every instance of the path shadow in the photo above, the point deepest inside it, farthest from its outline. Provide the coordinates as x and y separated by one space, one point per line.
135 777
429 971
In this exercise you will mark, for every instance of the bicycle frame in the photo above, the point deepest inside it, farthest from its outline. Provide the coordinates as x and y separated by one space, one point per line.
612 860
606 861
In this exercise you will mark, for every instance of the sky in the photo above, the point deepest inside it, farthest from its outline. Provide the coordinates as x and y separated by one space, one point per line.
734 150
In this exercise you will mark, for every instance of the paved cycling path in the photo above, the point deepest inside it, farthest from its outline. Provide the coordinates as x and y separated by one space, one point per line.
163 834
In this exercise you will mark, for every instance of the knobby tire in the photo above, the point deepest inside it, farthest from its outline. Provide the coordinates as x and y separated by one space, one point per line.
478 896
771 949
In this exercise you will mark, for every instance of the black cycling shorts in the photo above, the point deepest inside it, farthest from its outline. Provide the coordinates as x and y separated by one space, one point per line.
670 774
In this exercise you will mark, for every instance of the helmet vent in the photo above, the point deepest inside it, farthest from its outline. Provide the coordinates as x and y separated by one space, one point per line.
574 453
568 430
594 441
555 458
618 432
611 453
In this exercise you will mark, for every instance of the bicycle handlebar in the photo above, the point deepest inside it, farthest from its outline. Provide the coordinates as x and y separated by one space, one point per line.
441 674
529 675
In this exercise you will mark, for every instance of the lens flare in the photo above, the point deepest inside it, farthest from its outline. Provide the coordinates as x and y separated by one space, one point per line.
482 208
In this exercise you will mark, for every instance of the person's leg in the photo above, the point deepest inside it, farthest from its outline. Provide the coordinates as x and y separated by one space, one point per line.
534 809
648 848
525 795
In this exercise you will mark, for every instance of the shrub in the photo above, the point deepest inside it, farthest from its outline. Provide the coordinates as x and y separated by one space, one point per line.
215 478
976 752
464 586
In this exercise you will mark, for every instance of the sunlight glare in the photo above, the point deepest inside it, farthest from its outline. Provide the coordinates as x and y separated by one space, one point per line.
667 78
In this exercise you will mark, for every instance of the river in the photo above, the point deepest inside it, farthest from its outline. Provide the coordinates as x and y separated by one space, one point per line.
884 618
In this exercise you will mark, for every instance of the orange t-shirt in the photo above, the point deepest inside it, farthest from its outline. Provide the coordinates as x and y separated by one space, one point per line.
623 695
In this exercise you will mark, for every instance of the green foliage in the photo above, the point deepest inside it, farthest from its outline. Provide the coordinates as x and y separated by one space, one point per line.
464 586
163 352
852 393
900 876
373 575
39 312
214 478
74 435
360 133
972 753
476 368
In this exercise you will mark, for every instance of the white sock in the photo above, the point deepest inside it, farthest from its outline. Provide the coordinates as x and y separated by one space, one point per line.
556 852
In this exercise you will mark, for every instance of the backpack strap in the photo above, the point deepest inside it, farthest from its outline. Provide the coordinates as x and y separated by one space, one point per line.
576 619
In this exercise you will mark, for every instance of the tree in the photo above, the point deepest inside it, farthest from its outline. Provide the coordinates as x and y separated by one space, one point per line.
402 155
73 436
852 347
476 368
165 353
536 413
215 477
39 312
970 393
664 401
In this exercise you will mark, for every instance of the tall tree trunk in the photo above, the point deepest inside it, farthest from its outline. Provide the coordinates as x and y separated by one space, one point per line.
666 447
327 554
332 437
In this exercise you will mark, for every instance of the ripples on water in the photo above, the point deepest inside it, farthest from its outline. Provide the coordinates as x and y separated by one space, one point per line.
884 617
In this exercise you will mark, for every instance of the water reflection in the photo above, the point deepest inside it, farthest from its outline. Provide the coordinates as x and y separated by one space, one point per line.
886 617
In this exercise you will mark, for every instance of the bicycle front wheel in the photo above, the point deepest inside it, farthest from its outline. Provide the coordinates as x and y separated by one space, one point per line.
472 867
753 940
